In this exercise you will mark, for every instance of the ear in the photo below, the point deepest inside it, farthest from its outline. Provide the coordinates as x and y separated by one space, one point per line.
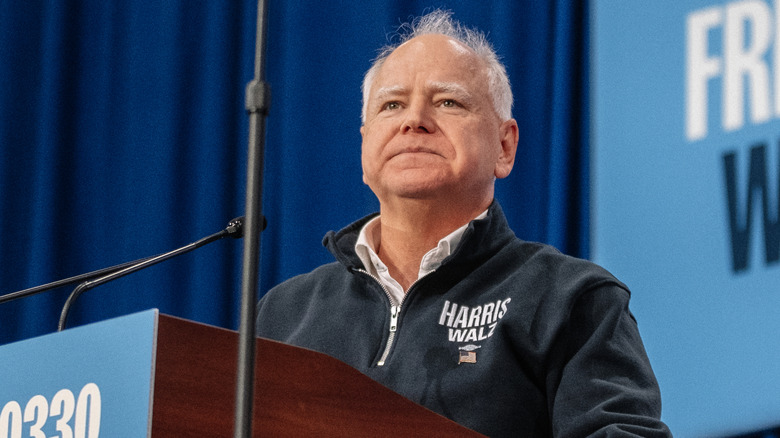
362 136
509 136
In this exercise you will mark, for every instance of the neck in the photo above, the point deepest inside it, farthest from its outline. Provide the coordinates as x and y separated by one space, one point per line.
409 232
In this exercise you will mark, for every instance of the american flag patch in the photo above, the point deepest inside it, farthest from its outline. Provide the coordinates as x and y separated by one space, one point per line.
467 357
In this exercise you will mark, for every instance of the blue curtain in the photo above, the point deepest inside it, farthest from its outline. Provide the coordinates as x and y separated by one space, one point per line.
123 134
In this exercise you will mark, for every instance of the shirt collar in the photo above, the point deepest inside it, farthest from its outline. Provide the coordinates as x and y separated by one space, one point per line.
369 235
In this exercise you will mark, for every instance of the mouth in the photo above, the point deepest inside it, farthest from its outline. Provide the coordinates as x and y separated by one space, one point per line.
414 150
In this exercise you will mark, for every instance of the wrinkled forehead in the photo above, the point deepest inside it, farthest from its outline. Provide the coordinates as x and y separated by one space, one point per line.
437 42
433 46
437 58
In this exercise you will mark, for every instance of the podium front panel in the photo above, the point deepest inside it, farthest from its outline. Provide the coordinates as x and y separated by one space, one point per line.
91 379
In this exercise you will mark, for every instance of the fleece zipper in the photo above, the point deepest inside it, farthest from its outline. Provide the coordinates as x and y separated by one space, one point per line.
395 312
395 309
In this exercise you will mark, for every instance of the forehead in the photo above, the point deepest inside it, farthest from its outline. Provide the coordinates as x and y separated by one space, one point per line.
432 59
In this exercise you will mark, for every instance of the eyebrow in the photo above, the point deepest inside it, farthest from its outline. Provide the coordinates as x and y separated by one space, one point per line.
436 87
385 92
461 93
449 87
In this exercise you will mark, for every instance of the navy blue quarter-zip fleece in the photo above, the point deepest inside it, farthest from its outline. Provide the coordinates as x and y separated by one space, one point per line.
506 337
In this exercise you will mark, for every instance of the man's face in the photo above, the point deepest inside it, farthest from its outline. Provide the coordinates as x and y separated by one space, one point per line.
431 131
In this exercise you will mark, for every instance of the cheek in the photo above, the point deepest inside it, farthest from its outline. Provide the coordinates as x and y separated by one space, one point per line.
481 152
368 151
374 142
364 159
369 158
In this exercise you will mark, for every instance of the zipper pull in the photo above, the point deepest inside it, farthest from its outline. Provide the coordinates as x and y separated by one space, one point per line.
394 318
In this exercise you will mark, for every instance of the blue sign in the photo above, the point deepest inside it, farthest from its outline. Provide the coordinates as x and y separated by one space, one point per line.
88 380
686 135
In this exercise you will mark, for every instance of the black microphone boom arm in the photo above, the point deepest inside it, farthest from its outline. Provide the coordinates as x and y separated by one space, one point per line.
68 281
233 229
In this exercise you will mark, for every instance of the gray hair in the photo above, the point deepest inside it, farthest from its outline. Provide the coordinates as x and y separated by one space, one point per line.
441 22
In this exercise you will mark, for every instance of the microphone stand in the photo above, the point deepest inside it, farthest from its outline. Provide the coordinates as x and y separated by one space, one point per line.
257 102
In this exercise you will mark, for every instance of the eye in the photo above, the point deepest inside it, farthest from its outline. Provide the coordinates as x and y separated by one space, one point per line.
392 105
450 103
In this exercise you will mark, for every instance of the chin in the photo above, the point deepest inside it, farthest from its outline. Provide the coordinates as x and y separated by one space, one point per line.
415 184
424 191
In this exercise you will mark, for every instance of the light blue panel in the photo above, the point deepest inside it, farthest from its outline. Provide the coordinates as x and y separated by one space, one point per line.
660 215
114 358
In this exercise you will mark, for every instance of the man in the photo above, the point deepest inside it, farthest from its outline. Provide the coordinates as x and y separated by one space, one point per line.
435 297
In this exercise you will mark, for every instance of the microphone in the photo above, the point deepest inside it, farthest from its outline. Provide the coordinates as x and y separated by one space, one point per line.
234 229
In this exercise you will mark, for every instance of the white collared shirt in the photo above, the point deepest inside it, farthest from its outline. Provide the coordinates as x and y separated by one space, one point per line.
365 249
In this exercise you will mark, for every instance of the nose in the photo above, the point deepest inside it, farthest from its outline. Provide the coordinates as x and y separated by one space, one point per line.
418 119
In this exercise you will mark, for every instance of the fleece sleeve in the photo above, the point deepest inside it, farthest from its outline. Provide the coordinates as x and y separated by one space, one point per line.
601 383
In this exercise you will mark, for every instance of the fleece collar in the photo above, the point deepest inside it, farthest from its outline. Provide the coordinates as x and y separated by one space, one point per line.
482 238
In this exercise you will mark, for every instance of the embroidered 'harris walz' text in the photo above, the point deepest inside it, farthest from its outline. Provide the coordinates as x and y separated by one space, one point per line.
467 324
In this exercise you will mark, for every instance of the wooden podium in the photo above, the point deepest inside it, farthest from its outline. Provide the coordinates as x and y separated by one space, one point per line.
186 386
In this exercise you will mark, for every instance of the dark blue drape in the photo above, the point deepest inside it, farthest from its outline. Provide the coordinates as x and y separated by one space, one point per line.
123 135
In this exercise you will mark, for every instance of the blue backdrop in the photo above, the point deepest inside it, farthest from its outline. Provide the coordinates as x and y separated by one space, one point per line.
685 199
123 134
